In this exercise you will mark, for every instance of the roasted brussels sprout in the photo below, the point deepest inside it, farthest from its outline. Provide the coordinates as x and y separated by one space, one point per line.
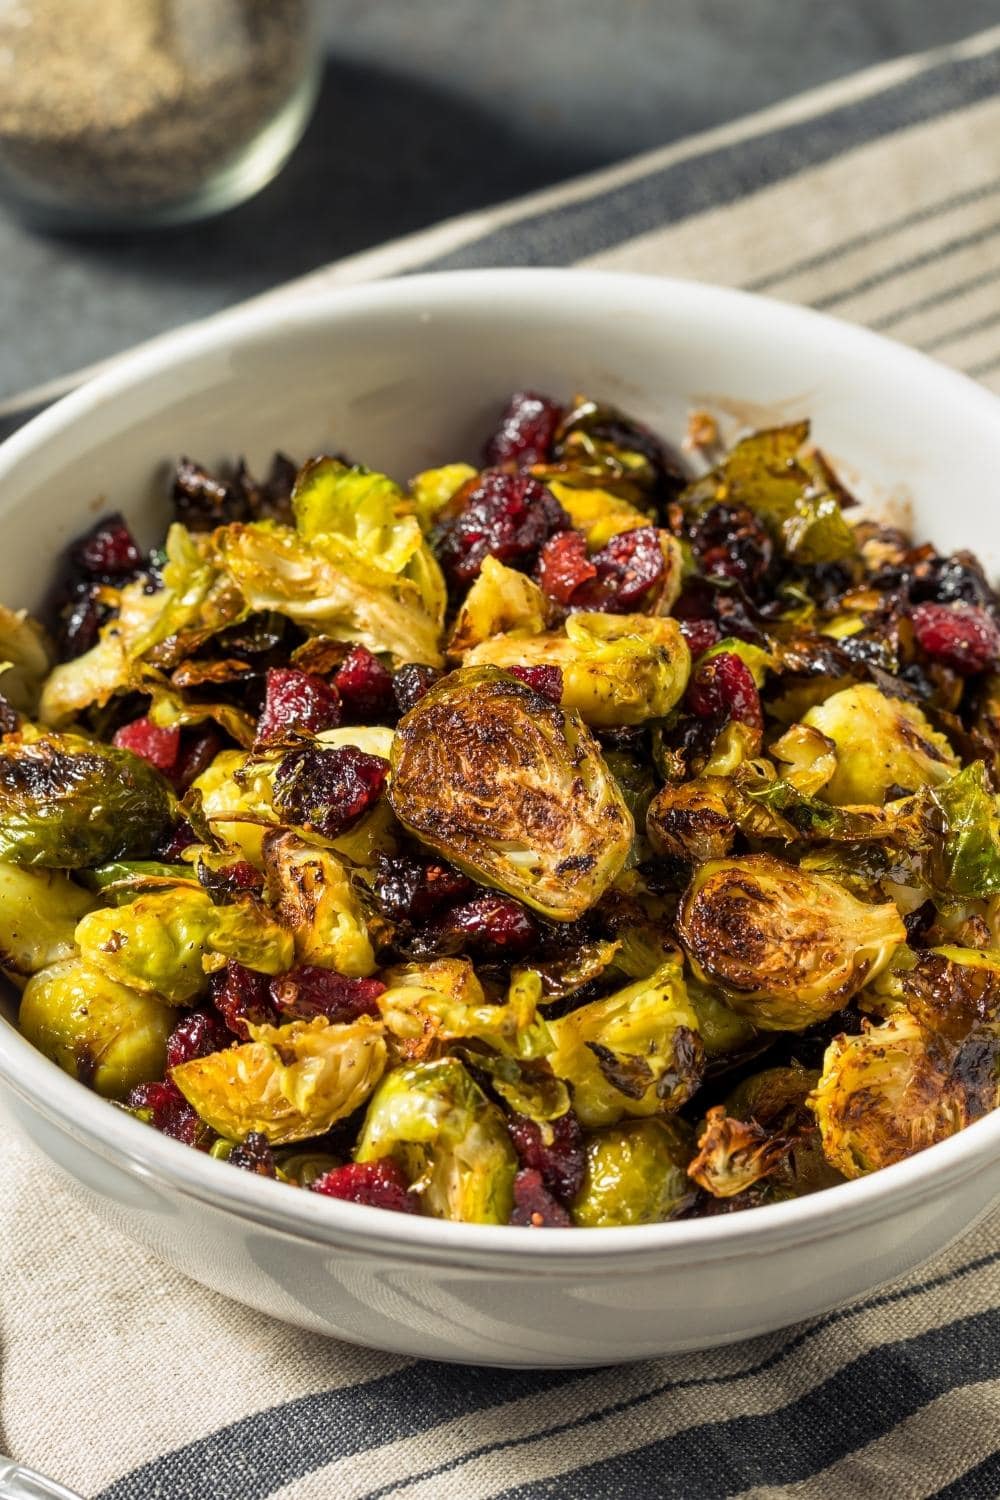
636 1174
66 802
429 1005
691 820
501 600
616 669
882 745
315 899
951 990
168 942
786 948
101 1032
39 910
289 1083
636 1052
449 1139
511 790
735 1154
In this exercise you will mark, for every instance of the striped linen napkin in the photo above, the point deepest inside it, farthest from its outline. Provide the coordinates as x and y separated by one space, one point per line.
879 199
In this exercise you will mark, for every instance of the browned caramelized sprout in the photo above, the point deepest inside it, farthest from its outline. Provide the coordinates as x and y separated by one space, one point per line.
691 819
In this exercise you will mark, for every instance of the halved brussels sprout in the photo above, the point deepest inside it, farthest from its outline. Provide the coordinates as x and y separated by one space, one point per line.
314 897
290 1083
787 948
500 601
616 669
951 990
433 1004
511 790
735 1154
66 802
166 943
450 1140
39 910
636 1052
691 820
764 1141
25 660
881 743
898 1088
101 1032
636 1174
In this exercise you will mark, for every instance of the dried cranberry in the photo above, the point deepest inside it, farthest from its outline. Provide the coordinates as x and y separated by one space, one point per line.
203 500
108 552
563 565
378 1184
296 700
961 636
503 515
80 621
241 995
309 991
722 689
409 889
626 570
228 883
561 1162
169 1112
410 684
254 1155
534 1205
199 747
546 681
196 1035
175 841
490 925
328 790
730 542
365 686
160 747
525 431
699 634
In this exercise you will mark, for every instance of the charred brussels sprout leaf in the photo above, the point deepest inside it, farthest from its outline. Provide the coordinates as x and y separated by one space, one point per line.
691 820
515 793
428 1005
951 990
501 600
880 743
39 910
735 1154
314 897
289 1083
786 948
966 860
636 1174
449 1139
101 1032
66 802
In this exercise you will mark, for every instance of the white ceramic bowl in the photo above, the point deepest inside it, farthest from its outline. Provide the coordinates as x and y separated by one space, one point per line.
404 374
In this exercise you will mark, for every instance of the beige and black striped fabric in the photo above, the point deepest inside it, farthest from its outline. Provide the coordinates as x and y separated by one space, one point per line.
877 199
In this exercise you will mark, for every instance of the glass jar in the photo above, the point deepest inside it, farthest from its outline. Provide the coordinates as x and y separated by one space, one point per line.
123 113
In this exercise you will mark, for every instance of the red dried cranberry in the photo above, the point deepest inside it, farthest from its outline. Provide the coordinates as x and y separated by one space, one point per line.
626 570
562 1162
503 515
170 1113
196 1035
722 689
700 634
365 686
199 747
960 636
80 621
157 745
172 846
411 889
525 431
328 790
241 995
377 1184
546 681
730 542
534 1205
490 925
410 684
309 991
563 565
296 700
254 1155
231 881
108 551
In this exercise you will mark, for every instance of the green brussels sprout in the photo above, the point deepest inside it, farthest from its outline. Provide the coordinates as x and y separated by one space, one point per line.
101 1032
793 491
636 1052
691 820
636 1174
39 910
898 1088
25 660
315 899
167 942
786 948
616 669
950 990
449 1139
431 490
881 743
427 1005
289 1083
500 601
511 790
66 802
723 1031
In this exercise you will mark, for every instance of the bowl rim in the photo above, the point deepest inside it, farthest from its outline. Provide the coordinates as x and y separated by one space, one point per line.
145 1154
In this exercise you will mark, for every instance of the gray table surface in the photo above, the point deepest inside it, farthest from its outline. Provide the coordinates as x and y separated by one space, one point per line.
430 109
